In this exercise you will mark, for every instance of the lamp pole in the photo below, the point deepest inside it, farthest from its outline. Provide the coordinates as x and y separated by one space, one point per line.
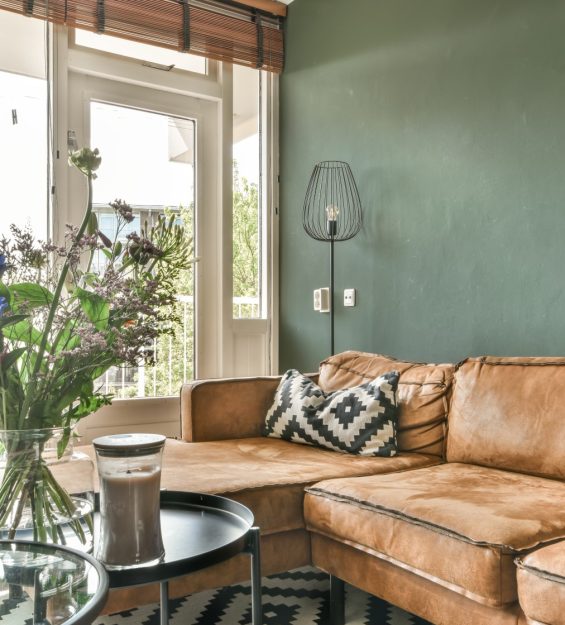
332 229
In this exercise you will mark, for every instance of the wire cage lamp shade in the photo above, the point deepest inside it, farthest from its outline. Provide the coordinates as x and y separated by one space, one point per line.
332 212
332 207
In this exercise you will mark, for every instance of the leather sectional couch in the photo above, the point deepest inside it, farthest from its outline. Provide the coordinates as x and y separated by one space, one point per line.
462 527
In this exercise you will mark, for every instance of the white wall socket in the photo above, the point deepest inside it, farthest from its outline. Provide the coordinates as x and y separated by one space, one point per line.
322 300
349 297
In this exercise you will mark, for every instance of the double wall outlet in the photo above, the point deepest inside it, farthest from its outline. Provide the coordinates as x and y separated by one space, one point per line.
322 300
349 297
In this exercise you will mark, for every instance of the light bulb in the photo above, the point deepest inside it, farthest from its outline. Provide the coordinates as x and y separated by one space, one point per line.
332 212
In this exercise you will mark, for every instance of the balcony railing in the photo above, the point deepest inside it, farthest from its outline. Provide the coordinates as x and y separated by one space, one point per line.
174 356
246 307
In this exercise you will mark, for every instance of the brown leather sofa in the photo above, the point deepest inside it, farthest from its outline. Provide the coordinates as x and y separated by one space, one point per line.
442 541
436 529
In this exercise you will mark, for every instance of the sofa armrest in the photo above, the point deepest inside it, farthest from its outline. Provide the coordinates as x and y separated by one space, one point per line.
225 408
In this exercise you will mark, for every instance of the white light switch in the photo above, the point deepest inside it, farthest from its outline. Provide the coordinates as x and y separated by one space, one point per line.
322 300
349 297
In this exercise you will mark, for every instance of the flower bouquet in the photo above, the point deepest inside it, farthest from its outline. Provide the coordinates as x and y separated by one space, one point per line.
64 324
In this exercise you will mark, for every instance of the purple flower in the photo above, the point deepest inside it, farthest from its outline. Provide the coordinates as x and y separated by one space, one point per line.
3 304
123 209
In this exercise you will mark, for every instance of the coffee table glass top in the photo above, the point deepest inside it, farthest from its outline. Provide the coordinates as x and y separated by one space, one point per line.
48 584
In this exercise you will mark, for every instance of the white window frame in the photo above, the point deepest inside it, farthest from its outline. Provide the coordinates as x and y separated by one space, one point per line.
223 346
258 338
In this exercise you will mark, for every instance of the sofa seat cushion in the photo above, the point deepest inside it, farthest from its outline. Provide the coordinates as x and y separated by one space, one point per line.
266 474
459 525
541 584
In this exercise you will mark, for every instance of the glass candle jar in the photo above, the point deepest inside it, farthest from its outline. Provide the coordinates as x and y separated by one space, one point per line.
129 468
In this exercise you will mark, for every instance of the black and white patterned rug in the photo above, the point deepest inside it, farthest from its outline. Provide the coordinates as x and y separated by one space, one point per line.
299 597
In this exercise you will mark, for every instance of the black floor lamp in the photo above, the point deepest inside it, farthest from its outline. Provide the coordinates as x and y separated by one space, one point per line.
332 212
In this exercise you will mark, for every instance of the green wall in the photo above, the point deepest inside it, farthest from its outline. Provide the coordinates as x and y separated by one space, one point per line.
451 114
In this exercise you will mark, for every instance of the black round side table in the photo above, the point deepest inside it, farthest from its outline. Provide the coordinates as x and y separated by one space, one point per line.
46 583
198 530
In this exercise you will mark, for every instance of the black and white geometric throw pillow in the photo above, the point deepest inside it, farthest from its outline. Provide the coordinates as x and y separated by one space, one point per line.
360 420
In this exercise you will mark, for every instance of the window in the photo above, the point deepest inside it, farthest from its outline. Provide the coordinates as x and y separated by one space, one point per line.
167 148
23 102
162 58
247 197
23 125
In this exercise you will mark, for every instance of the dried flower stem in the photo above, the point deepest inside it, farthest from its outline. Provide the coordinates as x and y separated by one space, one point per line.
30 394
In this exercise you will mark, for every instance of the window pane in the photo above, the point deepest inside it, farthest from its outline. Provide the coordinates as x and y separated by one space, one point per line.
141 51
23 157
247 277
153 171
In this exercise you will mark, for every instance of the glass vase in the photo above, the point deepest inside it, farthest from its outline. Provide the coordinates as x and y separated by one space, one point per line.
46 488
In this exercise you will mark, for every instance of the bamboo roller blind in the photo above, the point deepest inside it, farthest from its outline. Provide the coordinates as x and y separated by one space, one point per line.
220 30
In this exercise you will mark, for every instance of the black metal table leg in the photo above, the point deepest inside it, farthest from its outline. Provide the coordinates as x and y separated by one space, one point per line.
164 597
337 601
254 550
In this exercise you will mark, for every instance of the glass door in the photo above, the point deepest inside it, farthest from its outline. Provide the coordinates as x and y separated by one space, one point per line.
149 162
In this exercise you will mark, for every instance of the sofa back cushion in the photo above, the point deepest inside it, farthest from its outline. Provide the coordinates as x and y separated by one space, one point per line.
422 395
509 413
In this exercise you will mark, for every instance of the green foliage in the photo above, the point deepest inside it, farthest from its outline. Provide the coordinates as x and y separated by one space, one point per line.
174 348
29 296
96 308
245 236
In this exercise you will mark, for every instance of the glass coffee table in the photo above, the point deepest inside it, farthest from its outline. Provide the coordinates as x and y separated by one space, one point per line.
198 531
45 584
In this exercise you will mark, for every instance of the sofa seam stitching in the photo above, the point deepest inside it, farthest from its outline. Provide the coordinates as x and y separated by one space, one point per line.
319 492
541 573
